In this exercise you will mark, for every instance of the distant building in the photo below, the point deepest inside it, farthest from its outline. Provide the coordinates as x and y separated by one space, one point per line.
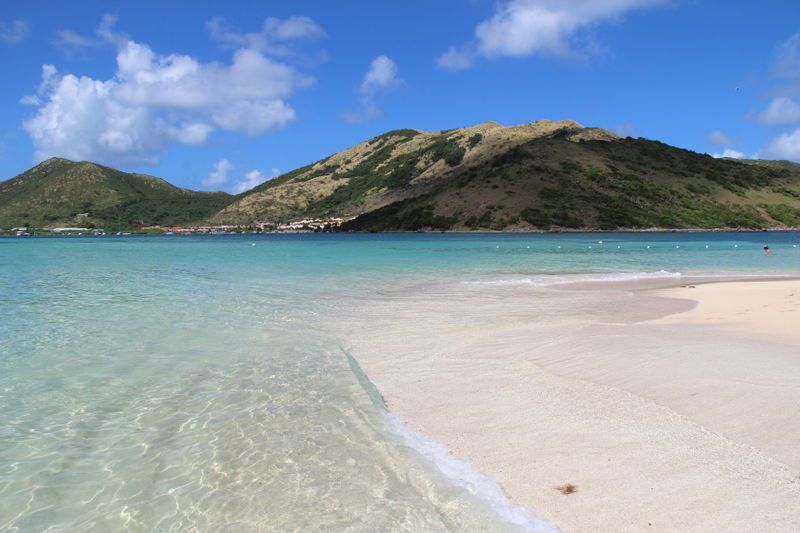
306 224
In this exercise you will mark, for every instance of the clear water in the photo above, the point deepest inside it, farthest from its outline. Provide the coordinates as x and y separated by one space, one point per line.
197 383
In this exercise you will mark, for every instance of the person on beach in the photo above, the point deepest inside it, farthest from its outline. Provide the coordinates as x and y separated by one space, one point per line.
767 250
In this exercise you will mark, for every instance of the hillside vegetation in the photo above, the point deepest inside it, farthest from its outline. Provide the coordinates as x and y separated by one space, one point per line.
542 175
628 183
538 176
392 167
59 192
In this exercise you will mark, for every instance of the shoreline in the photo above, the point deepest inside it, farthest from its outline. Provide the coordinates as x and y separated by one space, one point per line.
775 229
577 231
634 415
43 233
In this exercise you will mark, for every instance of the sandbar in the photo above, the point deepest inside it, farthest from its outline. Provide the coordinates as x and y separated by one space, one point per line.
764 309
680 422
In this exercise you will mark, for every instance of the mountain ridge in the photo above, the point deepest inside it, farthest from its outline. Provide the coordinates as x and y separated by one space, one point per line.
536 176
393 166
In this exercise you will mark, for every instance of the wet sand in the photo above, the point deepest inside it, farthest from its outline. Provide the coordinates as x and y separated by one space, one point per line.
659 421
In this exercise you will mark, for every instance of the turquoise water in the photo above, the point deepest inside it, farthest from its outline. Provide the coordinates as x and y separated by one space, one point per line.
198 383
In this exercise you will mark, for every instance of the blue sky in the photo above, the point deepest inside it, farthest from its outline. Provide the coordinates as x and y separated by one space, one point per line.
223 95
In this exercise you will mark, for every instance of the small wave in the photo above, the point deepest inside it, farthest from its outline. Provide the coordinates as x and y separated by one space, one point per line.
630 276
459 471
545 281
473 480
539 282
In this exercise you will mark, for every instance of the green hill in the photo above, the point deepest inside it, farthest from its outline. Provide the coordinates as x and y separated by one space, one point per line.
790 165
537 176
626 183
541 175
395 166
59 192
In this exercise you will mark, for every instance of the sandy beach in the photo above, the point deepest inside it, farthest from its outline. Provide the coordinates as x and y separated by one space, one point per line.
768 310
634 410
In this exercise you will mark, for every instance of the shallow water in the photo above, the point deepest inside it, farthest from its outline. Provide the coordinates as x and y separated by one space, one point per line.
199 383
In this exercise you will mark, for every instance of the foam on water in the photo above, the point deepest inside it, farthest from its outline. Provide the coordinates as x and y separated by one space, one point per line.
545 281
459 471
472 479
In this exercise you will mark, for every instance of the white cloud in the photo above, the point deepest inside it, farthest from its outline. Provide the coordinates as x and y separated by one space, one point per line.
719 138
254 117
783 111
521 28
626 129
456 58
220 175
15 31
273 38
381 77
252 179
524 27
178 81
107 31
780 111
154 101
73 43
48 82
366 113
191 133
784 146
787 62
69 40
728 152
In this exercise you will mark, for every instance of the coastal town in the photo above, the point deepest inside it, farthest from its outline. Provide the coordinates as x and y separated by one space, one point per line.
305 225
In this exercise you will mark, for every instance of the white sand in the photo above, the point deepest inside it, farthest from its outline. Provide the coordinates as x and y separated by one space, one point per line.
688 423
767 310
